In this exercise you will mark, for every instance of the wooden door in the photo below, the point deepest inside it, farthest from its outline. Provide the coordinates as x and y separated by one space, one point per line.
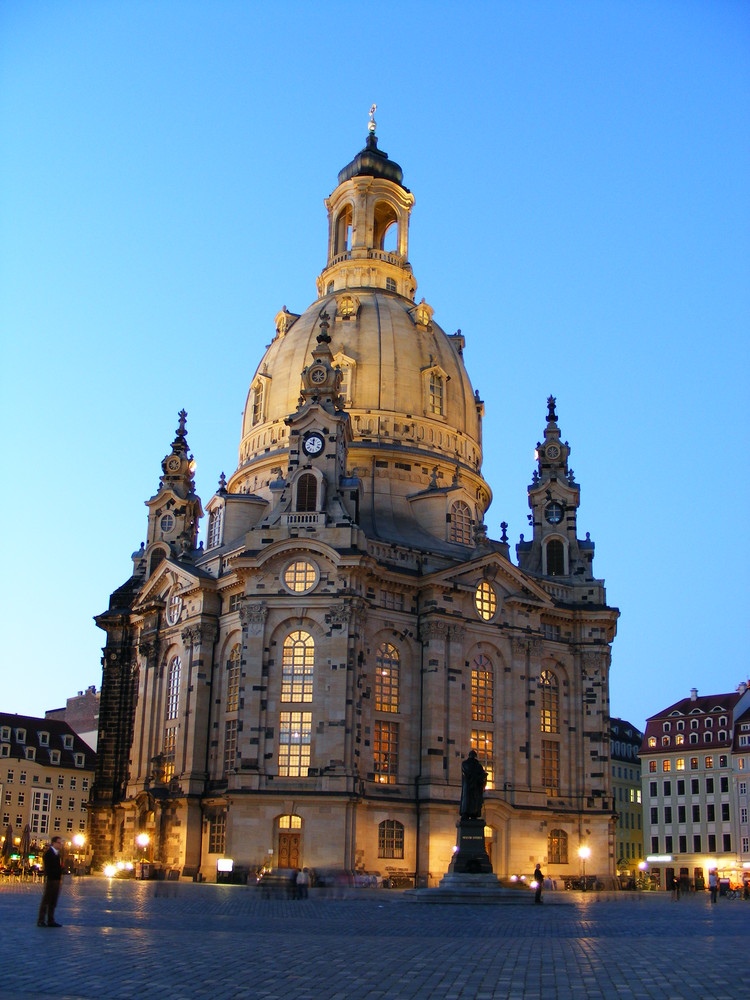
288 849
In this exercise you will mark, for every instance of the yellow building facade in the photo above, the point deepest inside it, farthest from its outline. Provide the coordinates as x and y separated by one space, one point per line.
302 689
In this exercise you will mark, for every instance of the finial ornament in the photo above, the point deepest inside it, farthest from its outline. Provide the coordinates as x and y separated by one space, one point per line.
372 125
551 415
324 336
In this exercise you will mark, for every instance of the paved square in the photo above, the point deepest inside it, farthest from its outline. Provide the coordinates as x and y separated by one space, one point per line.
129 939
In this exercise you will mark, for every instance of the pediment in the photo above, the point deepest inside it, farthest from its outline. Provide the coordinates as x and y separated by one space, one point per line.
507 578
168 576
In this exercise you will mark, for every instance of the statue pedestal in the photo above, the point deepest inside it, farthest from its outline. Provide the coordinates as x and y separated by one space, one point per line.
471 856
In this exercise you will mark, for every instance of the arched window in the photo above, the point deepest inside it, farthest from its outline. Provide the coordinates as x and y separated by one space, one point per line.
307 492
436 393
482 690
386 678
555 557
233 679
385 230
257 402
214 527
173 687
390 839
343 231
297 666
550 697
460 523
157 557
557 847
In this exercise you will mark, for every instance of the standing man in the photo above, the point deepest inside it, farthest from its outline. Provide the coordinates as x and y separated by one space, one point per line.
52 879
539 879
713 883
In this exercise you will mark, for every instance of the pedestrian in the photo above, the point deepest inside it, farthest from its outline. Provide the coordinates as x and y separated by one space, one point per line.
539 879
675 887
303 883
53 870
713 883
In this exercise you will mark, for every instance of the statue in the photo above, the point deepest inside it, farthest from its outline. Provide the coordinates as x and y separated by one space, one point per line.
473 780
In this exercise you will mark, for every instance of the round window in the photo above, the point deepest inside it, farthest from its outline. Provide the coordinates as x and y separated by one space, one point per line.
167 523
301 576
485 601
174 609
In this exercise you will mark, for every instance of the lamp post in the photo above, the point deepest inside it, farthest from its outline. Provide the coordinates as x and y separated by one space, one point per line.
643 868
142 840
584 852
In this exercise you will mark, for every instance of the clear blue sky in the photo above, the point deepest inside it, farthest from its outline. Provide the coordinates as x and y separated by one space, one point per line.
581 173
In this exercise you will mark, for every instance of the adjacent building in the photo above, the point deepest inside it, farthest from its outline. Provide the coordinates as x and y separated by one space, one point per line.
46 775
81 713
694 773
303 688
624 746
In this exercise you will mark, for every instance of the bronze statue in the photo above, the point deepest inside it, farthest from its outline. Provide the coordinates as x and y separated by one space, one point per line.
473 780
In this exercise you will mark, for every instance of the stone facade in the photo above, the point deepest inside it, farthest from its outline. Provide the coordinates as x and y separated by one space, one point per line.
302 690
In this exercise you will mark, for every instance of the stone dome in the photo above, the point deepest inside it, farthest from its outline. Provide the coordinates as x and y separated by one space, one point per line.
403 380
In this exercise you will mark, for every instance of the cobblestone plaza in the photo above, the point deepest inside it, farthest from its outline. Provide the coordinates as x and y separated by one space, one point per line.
140 939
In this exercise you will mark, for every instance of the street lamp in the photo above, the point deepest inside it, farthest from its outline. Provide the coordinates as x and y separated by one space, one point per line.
643 867
584 852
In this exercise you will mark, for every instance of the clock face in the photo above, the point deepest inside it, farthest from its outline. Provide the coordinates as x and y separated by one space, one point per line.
552 451
318 375
554 512
313 444
173 464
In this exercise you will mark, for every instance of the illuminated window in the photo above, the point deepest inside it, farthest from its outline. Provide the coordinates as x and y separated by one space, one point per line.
665 741
295 735
652 741
550 696
386 678
217 828
385 752
290 822
693 763
679 740
230 745
173 687
300 576
390 839
460 523
557 847
485 601
666 765
709 762
481 741
436 393
680 764
40 810
215 519
170 743
307 492
652 766
297 666
551 767
482 690
233 678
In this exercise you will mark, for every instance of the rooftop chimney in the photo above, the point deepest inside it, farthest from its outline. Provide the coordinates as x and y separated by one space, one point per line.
693 694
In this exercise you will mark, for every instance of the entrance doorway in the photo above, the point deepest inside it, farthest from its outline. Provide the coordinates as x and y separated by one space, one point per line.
288 849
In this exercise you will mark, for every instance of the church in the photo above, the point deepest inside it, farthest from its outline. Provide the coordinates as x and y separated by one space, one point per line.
301 690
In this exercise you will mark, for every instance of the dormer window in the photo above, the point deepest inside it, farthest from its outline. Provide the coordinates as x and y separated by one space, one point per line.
215 524
693 737
723 720
30 753
5 733
709 737
436 394
20 736
681 724
460 523
652 741
722 735
665 741
43 739
79 759
709 723
679 739
694 723
67 742
666 727
54 756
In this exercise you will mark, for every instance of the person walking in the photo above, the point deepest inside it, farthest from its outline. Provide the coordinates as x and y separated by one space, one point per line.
303 883
53 870
713 883
539 879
